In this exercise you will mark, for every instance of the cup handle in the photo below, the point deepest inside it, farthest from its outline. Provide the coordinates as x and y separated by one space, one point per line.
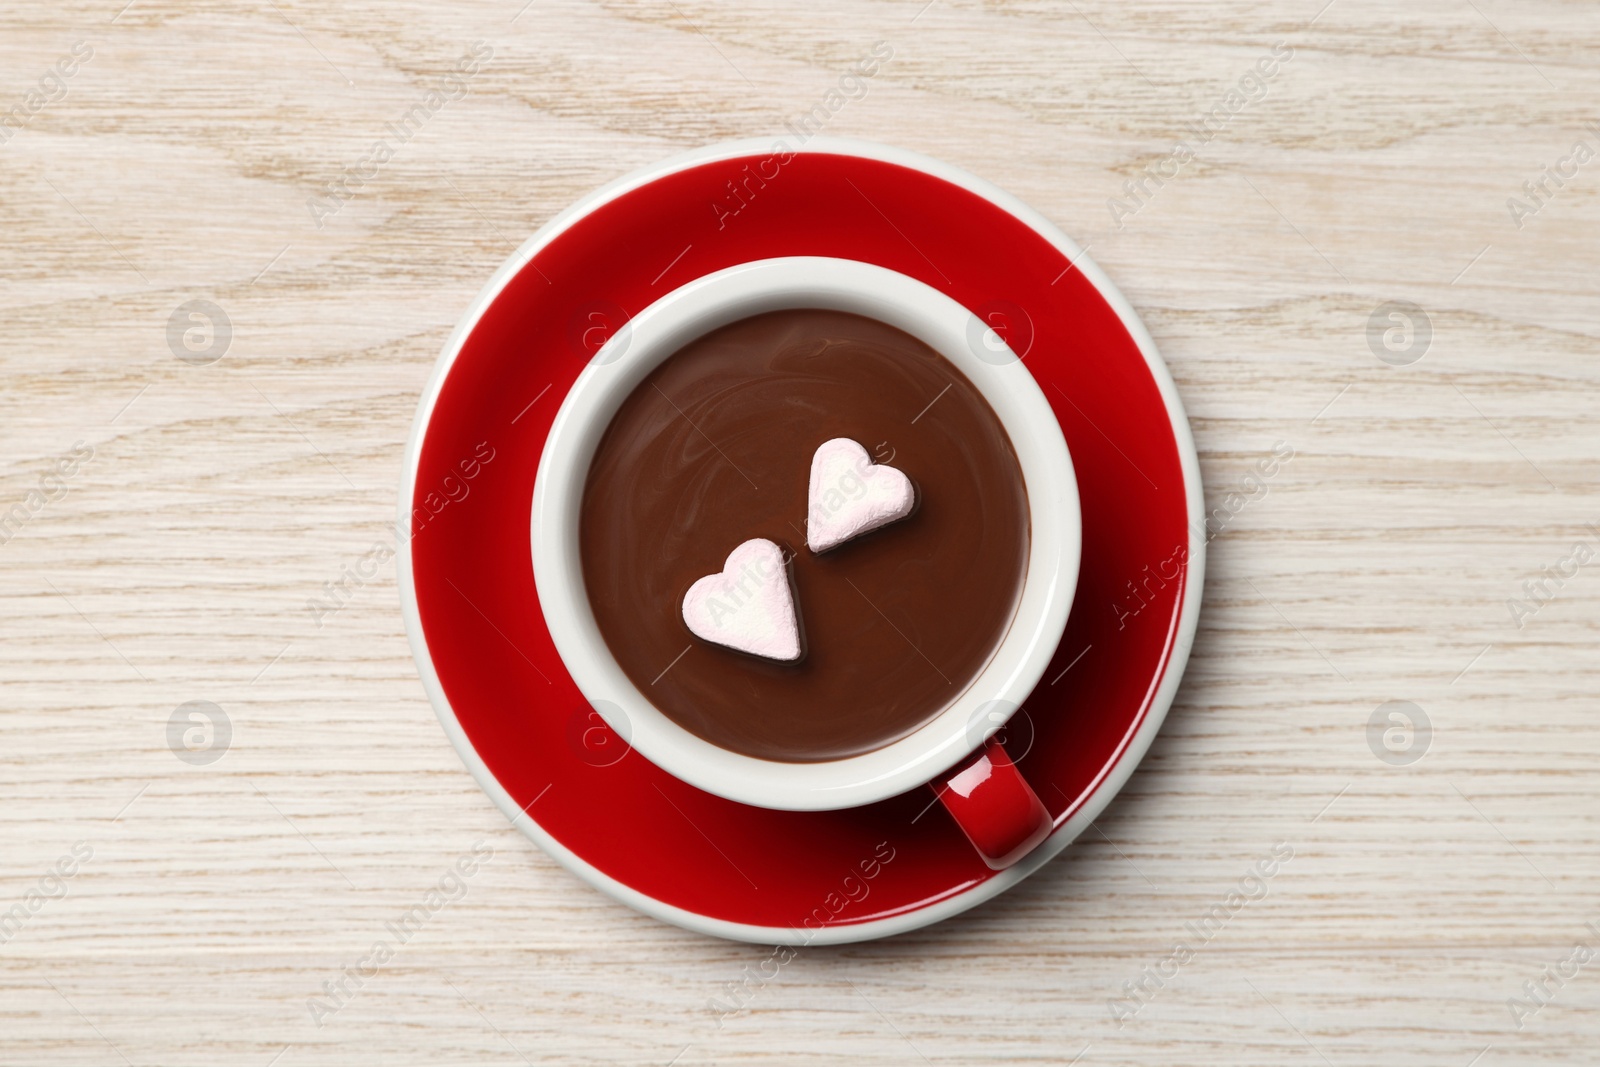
994 806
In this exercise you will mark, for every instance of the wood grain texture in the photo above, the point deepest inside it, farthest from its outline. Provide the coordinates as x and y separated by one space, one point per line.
1375 566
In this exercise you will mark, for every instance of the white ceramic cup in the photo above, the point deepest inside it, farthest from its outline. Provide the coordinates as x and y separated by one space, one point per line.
947 327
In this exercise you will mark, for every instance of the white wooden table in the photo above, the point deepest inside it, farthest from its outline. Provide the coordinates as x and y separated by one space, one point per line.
208 903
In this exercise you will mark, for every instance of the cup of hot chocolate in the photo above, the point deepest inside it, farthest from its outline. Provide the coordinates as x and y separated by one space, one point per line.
859 474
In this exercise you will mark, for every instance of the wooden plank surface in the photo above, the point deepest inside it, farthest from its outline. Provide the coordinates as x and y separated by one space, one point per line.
207 903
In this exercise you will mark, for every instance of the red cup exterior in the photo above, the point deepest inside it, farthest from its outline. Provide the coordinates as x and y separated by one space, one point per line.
995 807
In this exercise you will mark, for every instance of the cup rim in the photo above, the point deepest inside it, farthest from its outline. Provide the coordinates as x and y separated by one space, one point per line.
1049 582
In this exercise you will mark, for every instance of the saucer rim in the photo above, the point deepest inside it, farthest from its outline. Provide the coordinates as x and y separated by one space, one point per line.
1134 745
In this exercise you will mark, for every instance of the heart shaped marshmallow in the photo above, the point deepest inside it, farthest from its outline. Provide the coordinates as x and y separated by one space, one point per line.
851 495
748 606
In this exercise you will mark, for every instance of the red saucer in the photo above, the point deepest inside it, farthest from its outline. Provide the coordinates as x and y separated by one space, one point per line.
467 581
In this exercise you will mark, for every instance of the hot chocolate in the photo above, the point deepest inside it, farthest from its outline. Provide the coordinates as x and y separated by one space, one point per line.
713 448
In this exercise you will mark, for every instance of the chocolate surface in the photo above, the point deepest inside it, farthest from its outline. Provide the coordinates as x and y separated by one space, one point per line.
715 447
